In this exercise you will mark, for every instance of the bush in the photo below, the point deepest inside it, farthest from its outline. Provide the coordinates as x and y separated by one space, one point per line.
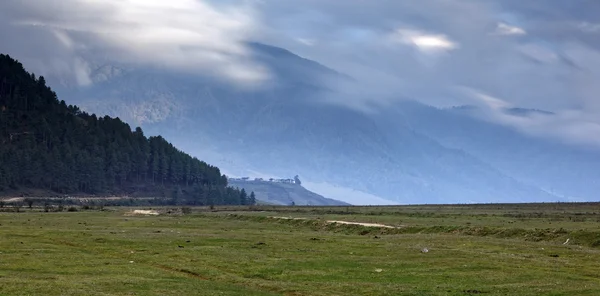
72 209
17 206
186 210
29 202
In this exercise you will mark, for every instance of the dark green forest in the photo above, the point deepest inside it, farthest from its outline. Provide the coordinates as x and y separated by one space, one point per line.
49 146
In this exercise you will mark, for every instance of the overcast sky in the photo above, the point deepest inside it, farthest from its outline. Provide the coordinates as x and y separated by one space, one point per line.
541 54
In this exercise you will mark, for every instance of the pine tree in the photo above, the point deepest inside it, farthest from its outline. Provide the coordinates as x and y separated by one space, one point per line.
243 197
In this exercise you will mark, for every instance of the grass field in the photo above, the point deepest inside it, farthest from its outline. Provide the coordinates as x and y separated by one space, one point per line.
479 249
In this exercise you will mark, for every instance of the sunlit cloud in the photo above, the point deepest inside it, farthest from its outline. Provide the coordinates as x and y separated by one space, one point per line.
425 42
189 35
505 29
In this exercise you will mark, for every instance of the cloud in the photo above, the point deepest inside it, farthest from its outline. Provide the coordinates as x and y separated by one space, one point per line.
538 53
577 127
187 35
307 42
505 29
589 27
423 41
485 100
553 66
529 54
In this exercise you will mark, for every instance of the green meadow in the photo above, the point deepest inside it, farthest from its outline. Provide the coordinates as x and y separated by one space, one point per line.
535 249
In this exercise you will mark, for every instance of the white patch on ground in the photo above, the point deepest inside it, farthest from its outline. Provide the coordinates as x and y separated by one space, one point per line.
14 199
143 212
342 222
289 218
361 224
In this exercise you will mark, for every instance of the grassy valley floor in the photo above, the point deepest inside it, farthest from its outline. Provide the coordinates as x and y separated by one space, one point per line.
502 250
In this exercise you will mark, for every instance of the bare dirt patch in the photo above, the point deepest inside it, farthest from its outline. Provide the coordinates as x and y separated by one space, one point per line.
183 271
289 218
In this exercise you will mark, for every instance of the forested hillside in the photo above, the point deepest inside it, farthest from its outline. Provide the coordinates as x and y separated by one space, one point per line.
48 145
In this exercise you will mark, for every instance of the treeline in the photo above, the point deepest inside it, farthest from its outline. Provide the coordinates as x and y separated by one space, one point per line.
48 145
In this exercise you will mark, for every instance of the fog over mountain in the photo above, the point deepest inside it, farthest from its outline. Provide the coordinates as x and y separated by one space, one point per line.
400 103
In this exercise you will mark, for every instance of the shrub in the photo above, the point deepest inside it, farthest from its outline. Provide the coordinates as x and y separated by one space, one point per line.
17 206
72 209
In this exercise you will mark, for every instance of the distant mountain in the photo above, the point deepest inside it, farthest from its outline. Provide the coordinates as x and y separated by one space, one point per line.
527 112
407 152
284 194
516 111
567 171
50 147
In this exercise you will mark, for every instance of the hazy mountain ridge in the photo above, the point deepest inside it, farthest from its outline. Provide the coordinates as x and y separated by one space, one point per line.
565 170
409 152
284 194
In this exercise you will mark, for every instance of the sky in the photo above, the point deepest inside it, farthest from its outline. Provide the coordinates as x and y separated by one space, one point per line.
495 54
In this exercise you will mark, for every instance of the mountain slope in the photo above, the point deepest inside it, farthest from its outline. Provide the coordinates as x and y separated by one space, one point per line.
284 194
288 127
565 170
